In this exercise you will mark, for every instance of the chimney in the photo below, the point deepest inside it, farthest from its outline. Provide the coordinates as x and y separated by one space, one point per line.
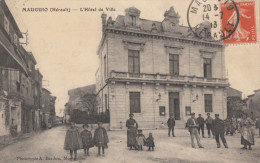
104 17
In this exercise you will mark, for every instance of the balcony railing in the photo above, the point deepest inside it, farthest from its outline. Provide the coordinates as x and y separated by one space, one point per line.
166 77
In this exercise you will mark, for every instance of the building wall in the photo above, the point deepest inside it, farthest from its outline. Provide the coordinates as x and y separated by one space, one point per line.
149 116
155 59
4 130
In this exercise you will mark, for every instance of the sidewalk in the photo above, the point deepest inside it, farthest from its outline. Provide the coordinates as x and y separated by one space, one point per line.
8 139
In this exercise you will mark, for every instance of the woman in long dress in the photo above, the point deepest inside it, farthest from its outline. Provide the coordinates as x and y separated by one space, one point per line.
247 135
132 126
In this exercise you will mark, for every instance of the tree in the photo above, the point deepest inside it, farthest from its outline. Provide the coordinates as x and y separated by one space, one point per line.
234 106
89 101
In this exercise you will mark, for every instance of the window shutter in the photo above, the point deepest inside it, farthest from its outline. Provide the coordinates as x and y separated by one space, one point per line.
137 62
135 102
130 62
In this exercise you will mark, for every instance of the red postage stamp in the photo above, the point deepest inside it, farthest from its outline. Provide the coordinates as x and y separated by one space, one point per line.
245 31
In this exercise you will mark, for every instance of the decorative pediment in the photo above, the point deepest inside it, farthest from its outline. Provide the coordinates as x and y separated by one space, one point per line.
173 49
132 15
171 21
134 45
133 11
207 54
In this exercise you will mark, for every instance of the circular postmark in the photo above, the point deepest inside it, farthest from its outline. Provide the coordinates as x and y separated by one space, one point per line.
213 19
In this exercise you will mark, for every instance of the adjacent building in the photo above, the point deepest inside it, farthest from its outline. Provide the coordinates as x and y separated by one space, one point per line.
157 68
20 82
48 113
253 103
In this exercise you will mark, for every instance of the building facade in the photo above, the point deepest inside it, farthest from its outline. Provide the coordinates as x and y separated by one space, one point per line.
253 103
20 82
48 112
154 69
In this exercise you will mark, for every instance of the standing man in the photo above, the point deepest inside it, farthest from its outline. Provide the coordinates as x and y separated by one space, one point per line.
201 125
219 128
209 121
171 124
192 124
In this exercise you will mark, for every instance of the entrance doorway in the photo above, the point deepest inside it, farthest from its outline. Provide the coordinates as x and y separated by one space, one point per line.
174 105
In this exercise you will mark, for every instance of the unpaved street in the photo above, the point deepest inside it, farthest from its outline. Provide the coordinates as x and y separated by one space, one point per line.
48 147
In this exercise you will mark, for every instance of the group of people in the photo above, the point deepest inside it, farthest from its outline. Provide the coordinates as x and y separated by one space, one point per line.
75 140
135 138
218 128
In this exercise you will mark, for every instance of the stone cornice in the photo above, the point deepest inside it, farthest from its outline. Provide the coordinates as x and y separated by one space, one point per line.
144 34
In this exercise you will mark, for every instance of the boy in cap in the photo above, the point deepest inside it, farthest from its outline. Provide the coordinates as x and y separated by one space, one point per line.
219 129
101 138
192 124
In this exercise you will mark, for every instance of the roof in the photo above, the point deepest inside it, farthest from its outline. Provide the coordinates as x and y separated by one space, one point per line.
46 90
32 57
10 17
258 90
38 71
158 29
146 25
90 89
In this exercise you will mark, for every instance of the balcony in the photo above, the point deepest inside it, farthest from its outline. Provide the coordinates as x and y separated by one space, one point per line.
168 79
10 81
11 49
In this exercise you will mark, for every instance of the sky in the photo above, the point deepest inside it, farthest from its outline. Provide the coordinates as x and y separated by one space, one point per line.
65 44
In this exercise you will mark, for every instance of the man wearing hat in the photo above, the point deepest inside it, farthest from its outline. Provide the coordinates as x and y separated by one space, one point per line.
171 124
201 125
209 121
192 124
219 129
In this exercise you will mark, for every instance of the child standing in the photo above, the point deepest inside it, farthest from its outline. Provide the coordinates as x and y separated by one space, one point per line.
101 138
140 140
150 142
86 139
72 141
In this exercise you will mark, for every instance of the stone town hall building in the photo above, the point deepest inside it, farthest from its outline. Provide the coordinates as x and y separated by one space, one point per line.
153 69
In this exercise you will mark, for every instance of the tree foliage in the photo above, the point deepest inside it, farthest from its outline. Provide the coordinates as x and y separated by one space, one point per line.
234 106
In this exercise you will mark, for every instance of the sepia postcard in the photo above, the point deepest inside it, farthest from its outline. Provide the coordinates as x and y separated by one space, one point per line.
130 81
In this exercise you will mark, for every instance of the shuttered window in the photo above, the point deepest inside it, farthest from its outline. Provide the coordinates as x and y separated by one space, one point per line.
174 64
135 105
207 68
133 20
208 102
105 67
6 24
133 61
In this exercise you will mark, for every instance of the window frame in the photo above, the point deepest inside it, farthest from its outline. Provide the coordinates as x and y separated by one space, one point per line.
135 96
133 20
187 108
206 66
133 57
208 103
172 62
162 111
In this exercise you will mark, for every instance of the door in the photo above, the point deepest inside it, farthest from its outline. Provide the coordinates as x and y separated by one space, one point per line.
174 105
